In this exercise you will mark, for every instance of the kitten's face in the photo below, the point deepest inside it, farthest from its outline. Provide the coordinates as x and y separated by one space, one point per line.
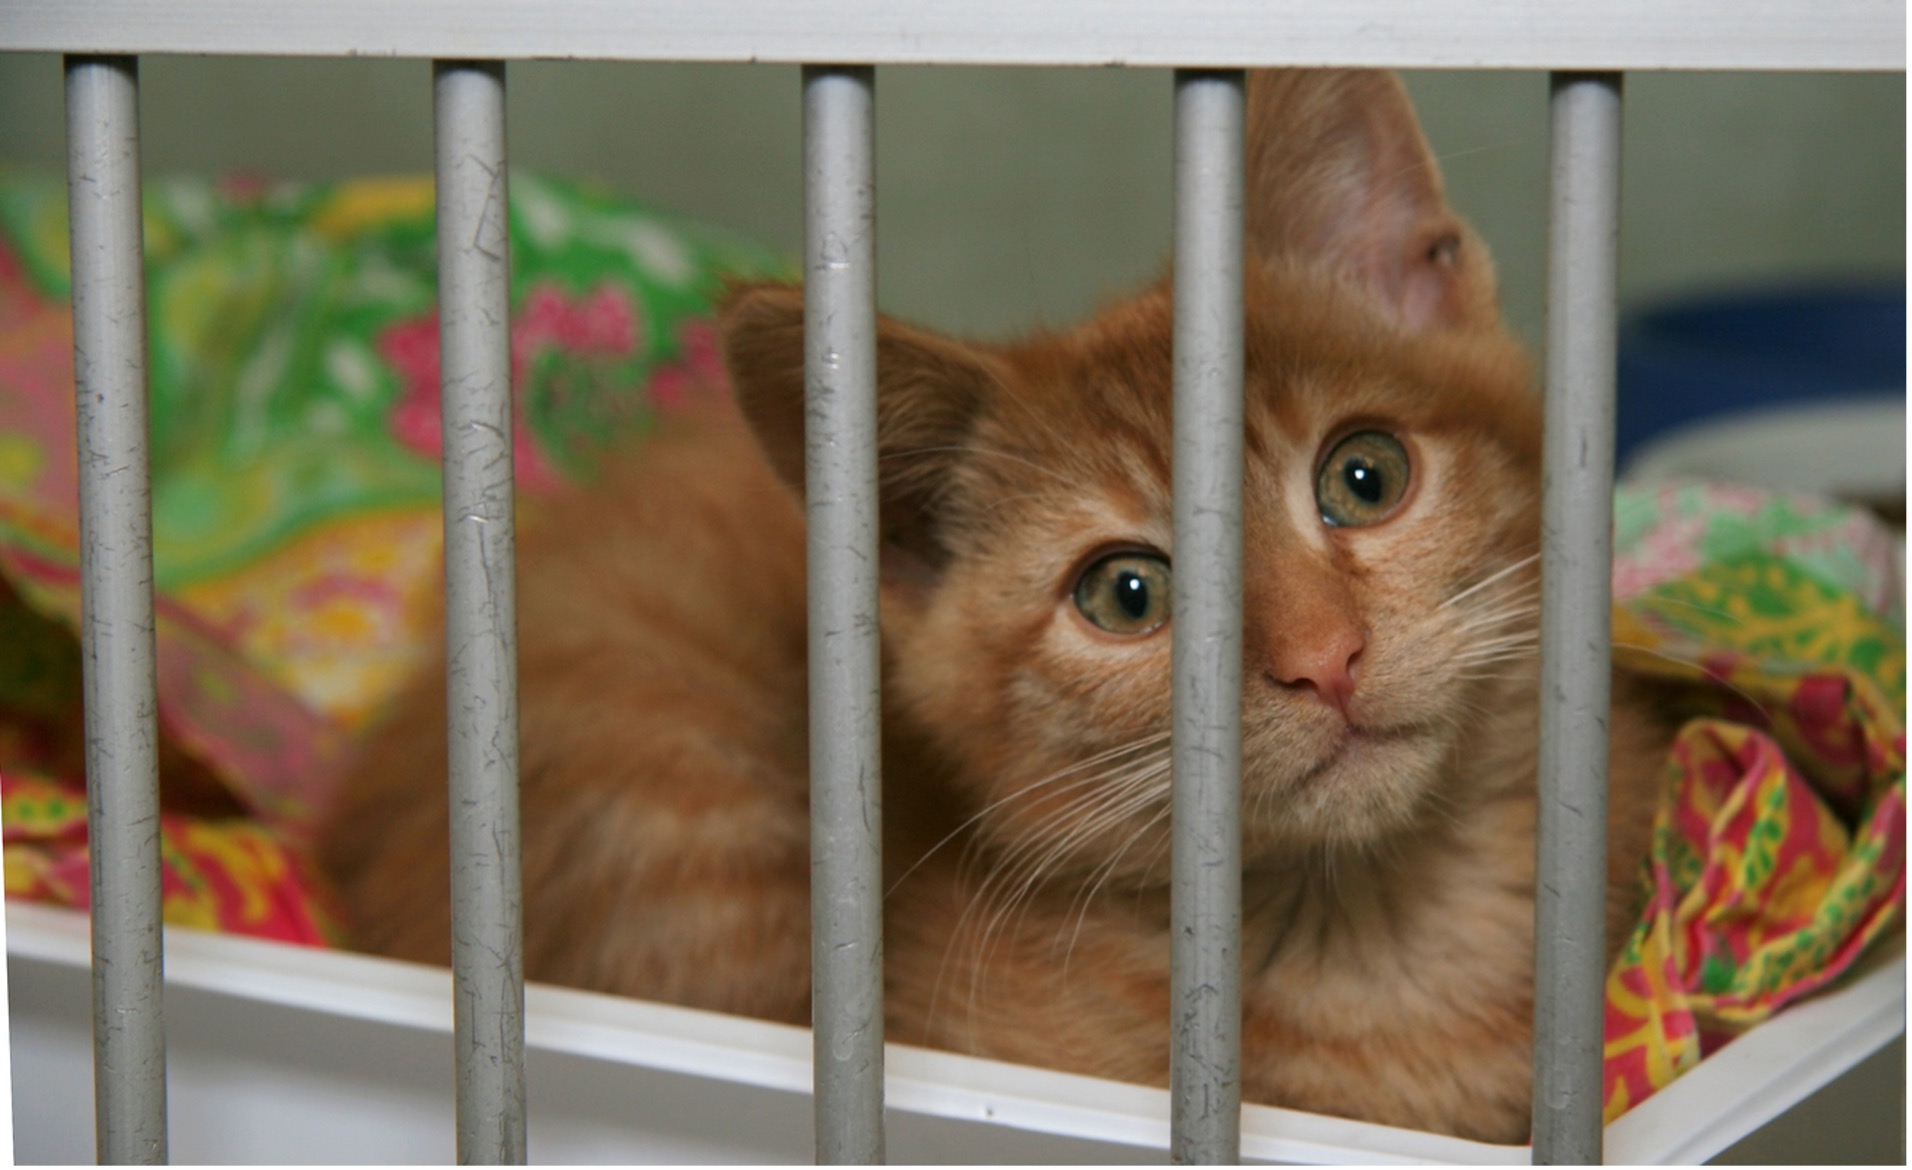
1385 475
1390 495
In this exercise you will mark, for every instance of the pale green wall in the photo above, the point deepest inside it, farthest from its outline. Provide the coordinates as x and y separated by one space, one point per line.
1008 197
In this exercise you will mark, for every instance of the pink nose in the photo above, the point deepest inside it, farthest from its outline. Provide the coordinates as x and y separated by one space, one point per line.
1322 661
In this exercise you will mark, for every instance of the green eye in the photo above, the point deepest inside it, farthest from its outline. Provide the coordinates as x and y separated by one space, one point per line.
1362 479
1126 593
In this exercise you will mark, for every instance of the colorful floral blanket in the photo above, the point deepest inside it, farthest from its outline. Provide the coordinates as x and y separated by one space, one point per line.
1779 845
293 364
294 374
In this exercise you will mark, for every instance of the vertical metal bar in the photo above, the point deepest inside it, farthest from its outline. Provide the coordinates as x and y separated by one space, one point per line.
1205 1066
1576 620
846 860
481 632
116 637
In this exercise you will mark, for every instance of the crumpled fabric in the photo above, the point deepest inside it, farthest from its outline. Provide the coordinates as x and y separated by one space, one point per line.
1778 849
297 534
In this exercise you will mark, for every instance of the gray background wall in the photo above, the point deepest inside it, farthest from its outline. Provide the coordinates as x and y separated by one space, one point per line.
1009 197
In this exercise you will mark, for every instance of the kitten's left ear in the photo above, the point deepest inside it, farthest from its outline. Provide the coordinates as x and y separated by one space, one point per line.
1338 174
929 392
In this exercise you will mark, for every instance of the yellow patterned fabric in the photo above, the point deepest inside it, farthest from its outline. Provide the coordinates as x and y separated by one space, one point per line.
1779 843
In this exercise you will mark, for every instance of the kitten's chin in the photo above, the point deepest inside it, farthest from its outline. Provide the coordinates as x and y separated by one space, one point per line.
1358 785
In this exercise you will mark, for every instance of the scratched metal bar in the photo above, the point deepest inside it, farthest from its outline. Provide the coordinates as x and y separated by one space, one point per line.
481 633
846 859
1576 619
1205 1065
116 605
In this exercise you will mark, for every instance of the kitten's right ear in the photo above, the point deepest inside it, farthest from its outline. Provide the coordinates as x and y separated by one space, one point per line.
929 392
1338 175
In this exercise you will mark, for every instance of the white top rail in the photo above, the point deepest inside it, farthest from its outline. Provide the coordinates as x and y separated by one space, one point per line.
1437 34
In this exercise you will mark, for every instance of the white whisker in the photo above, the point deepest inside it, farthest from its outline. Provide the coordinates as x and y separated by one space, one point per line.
1764 711
1483 583
1098 802
1034 787
1106 871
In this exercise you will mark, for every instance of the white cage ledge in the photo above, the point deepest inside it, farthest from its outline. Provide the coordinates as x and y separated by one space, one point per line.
286 1054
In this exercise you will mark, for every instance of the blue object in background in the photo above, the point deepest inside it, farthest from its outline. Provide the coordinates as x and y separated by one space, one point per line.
1725 354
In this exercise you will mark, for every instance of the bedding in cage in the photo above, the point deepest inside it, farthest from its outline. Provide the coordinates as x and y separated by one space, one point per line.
294 379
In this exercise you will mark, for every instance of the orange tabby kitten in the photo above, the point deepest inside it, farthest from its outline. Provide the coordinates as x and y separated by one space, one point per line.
1389 717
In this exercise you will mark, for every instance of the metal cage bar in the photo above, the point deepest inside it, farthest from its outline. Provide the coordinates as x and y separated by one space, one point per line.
1576 619
481 633
846 833
116 605
1205 1060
